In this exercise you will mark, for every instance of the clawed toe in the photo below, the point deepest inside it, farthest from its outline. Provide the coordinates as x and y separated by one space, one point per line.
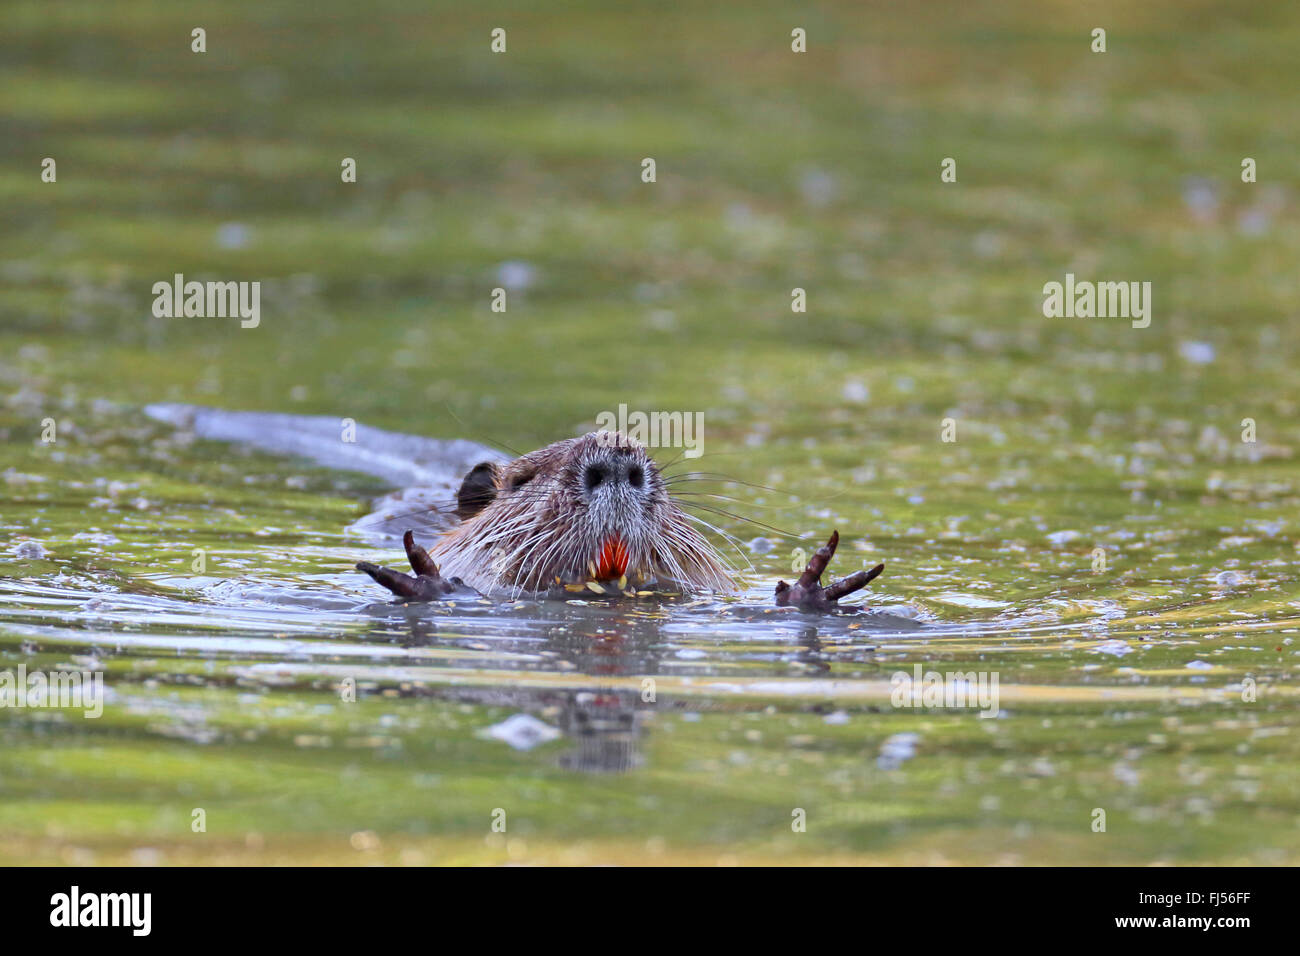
854 582
421 563
808 594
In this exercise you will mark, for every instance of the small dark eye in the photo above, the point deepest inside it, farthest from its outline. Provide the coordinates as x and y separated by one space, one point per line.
636 476
593 477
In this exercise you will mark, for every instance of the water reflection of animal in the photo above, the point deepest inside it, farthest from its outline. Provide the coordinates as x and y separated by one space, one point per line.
605 728
604 724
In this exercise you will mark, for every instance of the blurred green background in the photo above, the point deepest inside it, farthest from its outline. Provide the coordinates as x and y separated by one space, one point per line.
775 171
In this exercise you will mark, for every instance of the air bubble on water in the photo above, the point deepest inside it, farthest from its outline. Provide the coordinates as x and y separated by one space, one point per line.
1229 579
29 551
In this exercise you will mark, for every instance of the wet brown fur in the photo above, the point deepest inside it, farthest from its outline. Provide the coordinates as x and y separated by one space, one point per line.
537 519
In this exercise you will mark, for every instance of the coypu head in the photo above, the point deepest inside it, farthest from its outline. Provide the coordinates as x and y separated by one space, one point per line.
594 507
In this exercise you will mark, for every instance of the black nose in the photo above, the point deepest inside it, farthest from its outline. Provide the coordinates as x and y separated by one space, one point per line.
613 472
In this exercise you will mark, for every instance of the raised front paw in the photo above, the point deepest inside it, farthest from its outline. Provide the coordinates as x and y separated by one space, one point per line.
808 594
425 585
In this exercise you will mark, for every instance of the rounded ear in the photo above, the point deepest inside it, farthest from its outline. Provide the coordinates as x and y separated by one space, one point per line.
477 490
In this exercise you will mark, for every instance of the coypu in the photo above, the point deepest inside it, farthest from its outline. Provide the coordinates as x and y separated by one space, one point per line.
592 513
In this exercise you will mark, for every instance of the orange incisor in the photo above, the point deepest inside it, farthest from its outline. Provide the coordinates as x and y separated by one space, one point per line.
612 562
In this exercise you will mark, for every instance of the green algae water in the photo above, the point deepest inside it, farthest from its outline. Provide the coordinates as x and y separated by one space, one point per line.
1103 516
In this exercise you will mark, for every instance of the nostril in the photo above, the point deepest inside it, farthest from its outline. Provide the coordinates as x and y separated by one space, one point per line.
636 476
593 476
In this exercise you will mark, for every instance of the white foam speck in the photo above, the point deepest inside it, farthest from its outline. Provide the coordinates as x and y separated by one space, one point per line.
896 749
522 731
1198 353
1118 648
